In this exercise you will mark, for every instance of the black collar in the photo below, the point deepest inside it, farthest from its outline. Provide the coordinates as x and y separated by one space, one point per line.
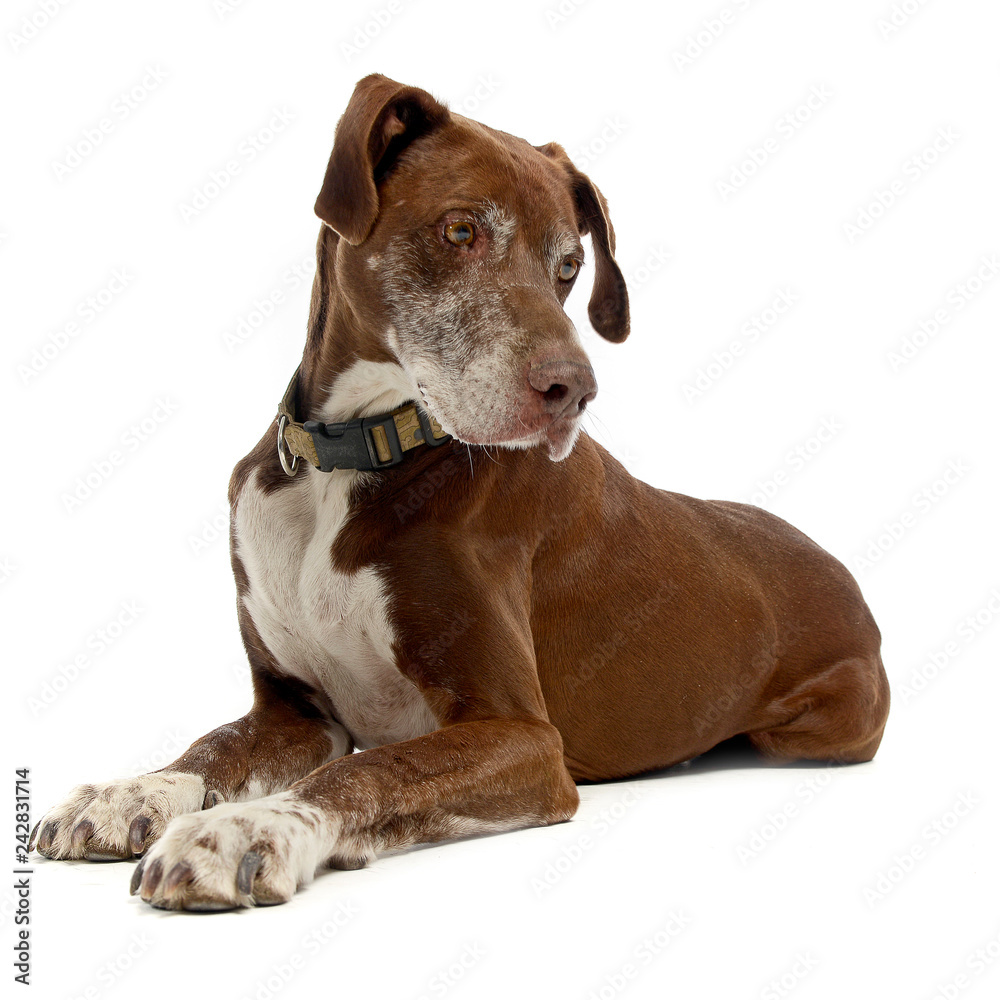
367 444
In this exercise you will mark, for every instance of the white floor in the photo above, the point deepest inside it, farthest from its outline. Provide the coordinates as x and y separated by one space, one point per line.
722 878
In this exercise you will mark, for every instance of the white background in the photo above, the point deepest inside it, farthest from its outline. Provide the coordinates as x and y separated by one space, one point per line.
821 907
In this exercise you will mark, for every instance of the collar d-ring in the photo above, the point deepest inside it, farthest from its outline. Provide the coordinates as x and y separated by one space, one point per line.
284 454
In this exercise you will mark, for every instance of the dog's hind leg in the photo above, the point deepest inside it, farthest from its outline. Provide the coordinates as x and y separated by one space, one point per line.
838 715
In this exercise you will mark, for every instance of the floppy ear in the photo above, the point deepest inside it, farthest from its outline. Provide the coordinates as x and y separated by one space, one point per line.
608 309
382 118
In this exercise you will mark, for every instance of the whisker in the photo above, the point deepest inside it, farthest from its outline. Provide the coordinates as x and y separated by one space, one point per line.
606 433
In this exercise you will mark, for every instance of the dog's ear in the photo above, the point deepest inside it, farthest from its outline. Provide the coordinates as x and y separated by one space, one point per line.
382 118
608 308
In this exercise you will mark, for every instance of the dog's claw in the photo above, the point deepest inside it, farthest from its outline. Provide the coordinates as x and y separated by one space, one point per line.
46 837
133 886
137 833
82 832
151 878
250 864
181 874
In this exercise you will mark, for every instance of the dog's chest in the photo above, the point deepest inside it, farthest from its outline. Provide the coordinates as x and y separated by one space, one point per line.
327 628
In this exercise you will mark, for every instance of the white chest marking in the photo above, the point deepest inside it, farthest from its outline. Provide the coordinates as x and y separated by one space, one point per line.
327 628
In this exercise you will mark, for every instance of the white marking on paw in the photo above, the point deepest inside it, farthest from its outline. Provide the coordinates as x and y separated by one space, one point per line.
204 851
112 806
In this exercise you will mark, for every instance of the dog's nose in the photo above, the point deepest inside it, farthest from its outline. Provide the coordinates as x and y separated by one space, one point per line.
565 387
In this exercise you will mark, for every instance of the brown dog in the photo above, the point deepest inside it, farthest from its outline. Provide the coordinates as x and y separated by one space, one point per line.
469 590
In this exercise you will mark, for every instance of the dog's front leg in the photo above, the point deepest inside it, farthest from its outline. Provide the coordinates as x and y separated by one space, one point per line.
495 763
472 777
281 739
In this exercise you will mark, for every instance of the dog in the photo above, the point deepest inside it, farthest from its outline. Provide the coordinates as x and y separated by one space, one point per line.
437 568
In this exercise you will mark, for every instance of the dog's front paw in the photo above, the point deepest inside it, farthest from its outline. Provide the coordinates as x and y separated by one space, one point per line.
116 819
236 854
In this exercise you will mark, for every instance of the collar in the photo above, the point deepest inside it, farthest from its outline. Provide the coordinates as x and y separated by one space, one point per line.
369 443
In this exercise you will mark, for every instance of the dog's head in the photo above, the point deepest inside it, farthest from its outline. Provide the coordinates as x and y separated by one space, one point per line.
457 248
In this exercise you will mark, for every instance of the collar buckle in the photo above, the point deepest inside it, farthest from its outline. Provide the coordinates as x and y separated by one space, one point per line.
382 439
364 444
427 426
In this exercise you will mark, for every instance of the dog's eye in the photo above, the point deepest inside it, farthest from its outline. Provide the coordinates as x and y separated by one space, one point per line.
567 272
460 233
